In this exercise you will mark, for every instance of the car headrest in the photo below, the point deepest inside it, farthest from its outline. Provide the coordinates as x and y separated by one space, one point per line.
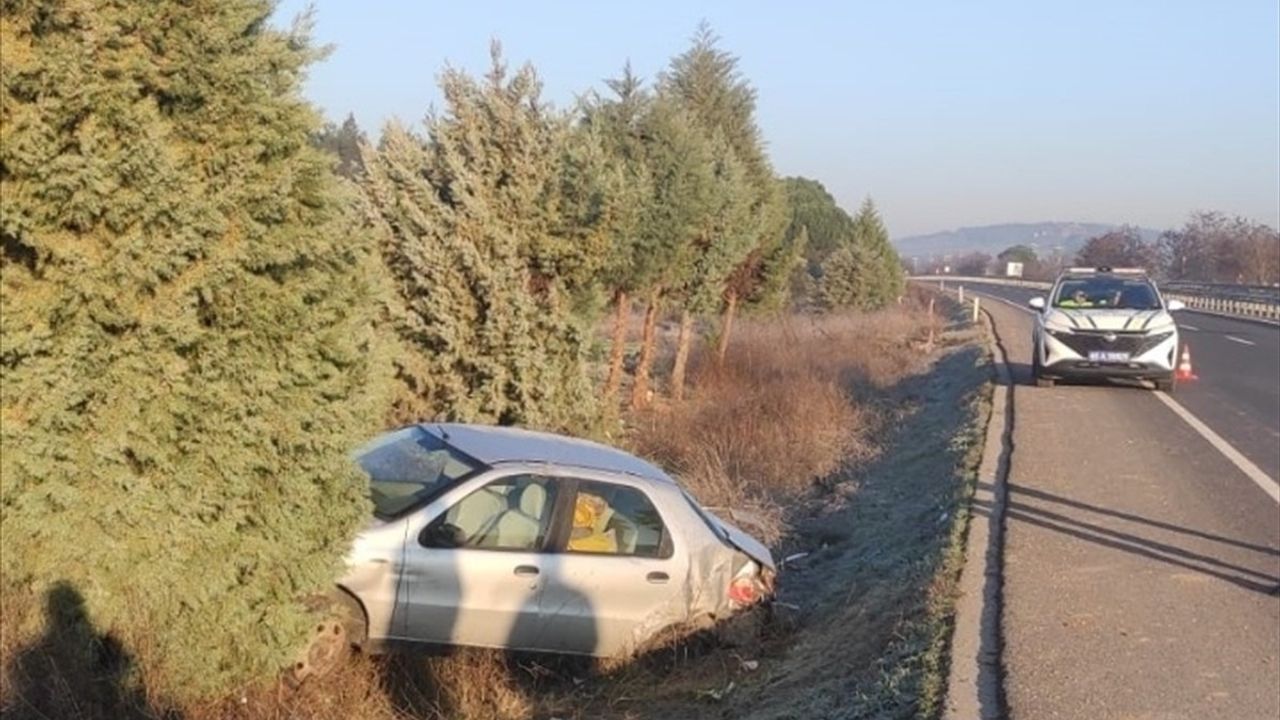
533 499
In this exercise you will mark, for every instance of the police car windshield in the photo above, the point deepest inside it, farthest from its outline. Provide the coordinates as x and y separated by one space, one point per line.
1106 293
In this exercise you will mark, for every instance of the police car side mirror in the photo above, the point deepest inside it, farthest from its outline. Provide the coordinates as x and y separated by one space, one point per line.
1175 305
1036 302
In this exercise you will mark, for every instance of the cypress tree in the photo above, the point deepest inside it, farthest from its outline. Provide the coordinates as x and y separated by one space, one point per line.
343 142
186 331
812 207
629 267
882 270
484 261
865 272
723 234
841 285
707 81
682 170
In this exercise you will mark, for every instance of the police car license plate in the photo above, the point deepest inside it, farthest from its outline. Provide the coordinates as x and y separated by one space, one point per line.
1108 356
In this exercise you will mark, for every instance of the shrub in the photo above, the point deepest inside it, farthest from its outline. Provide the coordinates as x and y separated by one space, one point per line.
485 269
186 344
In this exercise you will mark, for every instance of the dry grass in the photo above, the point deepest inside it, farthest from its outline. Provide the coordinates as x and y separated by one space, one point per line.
794 403
70 670
781 411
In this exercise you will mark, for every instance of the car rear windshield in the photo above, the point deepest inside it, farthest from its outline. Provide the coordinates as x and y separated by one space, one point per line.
702 513
409 467
1106 293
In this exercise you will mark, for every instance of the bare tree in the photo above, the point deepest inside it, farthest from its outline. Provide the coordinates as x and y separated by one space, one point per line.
1122 247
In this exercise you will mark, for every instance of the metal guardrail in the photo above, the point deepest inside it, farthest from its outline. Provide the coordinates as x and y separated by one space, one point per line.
1229 306
1247 293
1245 301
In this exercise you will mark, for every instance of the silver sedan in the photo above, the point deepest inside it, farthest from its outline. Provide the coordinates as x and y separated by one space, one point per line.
506 538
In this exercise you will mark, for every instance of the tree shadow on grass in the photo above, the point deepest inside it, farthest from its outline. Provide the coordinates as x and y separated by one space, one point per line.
74 671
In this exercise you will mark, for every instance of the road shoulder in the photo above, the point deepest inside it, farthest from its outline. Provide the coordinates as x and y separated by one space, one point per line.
974 688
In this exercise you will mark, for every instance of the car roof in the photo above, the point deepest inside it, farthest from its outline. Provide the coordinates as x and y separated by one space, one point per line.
494 445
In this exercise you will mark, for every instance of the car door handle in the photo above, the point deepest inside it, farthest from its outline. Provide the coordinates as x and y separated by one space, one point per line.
657 577
526 570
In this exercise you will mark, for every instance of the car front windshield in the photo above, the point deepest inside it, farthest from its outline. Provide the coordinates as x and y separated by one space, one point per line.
1107 294
409 467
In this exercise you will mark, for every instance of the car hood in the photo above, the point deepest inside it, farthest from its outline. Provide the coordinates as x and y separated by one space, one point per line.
1114 320
738 538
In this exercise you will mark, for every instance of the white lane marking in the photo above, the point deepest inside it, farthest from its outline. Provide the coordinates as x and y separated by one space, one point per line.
1192 328
1242 341
1246 466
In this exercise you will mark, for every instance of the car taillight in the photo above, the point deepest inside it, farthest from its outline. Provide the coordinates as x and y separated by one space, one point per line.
743 591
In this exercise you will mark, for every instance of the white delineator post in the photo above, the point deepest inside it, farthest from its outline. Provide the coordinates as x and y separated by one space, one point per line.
961 291
975 308
931 323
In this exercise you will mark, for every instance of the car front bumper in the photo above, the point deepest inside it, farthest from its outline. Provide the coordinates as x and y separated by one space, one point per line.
1059 360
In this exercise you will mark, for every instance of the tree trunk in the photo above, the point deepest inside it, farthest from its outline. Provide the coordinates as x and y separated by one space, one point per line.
622 310
640 389
726 327
682 355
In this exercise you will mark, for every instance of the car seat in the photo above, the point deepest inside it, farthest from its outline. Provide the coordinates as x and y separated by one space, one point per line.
477 514
626 532
521 526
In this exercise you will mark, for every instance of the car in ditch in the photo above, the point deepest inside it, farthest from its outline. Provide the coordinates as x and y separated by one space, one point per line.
505 538
1105 323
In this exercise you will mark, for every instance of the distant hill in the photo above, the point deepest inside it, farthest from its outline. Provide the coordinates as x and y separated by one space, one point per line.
1044 237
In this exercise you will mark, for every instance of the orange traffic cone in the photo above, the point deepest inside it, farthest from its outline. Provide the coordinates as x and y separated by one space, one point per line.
1184 371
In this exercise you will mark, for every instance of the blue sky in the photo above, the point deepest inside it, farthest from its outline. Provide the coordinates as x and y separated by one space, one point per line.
947 113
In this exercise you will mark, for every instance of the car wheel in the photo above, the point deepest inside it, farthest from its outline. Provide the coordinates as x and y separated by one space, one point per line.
327 648
1037 371
1167 385
331 640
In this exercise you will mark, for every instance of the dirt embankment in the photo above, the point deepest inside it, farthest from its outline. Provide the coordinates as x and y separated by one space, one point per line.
863 617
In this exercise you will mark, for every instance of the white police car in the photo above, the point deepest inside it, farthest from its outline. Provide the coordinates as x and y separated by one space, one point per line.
1104 323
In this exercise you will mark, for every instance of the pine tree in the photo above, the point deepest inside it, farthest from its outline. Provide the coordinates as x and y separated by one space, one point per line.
780 268
682 170
629 268
762 279
186 332
343 142
484 256
707 81
723 234
864 272
827 224
880 269
842 285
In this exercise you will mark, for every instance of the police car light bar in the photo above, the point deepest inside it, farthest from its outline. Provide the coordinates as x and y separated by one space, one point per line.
1104 269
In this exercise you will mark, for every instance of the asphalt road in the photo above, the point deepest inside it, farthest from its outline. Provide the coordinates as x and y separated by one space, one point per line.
1238 364
1141 566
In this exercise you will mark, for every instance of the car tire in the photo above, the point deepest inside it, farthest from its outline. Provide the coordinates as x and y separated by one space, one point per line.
326 650
331 641
1037 373
1166 385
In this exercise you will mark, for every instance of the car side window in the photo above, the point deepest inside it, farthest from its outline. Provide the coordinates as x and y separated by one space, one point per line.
511 513
613 519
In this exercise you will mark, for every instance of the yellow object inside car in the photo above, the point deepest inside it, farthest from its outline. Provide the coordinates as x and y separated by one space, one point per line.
590 519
